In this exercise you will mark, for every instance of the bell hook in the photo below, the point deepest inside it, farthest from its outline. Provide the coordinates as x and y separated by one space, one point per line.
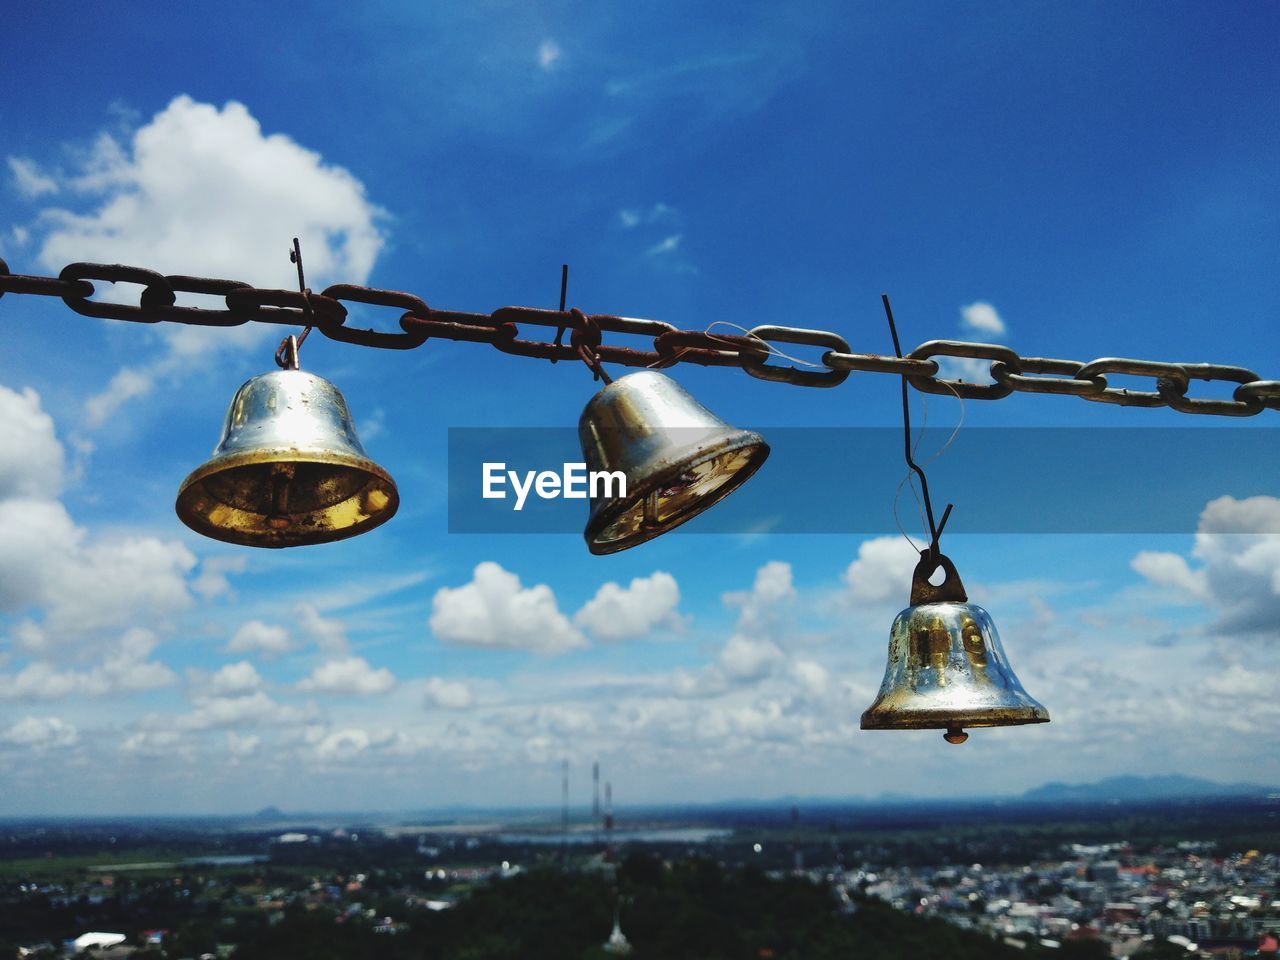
288 469
947 668
678 458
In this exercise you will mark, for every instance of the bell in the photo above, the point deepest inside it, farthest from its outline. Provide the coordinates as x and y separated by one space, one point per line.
678 458
288 470
946 667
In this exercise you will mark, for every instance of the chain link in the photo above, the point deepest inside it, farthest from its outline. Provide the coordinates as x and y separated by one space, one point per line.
667 346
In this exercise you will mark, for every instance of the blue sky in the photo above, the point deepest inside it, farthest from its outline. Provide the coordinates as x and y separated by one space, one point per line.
1098 179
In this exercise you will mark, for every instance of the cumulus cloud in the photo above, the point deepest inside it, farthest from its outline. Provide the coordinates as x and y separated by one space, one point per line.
126 668
41 732
31 458
813 678
1237 546
212 581
349 675
495 610
881 573
744 658
255 636
449 694
233 679
771 590
253 709
200 190
981 317
47 561
326 633
621 613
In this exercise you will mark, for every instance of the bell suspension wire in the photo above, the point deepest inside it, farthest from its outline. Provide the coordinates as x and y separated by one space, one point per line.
564 289
287 352
935 529
769 348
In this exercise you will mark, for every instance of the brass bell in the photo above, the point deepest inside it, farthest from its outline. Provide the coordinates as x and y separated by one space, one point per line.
288 470
678 458
946 666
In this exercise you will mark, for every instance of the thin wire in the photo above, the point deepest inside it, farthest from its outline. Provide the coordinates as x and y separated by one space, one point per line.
909 477
287 352
935 529
769 348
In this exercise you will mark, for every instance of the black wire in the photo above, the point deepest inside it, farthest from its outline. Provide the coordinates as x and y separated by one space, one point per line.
935 530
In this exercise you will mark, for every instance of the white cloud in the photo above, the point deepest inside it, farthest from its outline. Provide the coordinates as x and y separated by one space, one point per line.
220 712
813 677
124 386
1237 545
242 744
1170 570
968 369
771 589
349 675
494 610
327 633
31 458
666 245
449 694
549 54
744 659
47 561
233 679
41 732
255 636
211 581
882 571
621 613
982 318
124 669
203 191
660 212
343 744
31 183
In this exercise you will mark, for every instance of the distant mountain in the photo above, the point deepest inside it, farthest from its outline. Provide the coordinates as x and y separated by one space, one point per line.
268 813
1131 788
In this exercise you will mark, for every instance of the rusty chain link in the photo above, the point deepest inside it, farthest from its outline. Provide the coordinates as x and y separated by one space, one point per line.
1010 373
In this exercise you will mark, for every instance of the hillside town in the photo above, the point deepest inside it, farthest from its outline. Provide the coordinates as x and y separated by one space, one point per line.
1208 904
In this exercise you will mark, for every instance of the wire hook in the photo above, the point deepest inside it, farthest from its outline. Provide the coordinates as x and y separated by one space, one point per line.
935 530
287 352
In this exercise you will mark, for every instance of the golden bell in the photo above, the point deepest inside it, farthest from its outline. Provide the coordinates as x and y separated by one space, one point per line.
946 666
288 471
677 456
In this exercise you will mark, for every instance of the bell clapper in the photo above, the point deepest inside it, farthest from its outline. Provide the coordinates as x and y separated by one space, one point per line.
955 735
281 477
651 508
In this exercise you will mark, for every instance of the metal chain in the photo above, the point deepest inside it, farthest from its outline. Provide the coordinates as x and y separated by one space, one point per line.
1010 373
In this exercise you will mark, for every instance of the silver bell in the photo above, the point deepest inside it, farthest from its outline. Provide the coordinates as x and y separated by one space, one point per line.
678 458
288 470
946 666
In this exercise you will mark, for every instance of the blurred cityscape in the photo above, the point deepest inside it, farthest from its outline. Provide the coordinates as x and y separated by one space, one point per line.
1140 877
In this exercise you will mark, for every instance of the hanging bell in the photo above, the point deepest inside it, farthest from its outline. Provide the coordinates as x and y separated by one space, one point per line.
946 667
678 458
288 471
